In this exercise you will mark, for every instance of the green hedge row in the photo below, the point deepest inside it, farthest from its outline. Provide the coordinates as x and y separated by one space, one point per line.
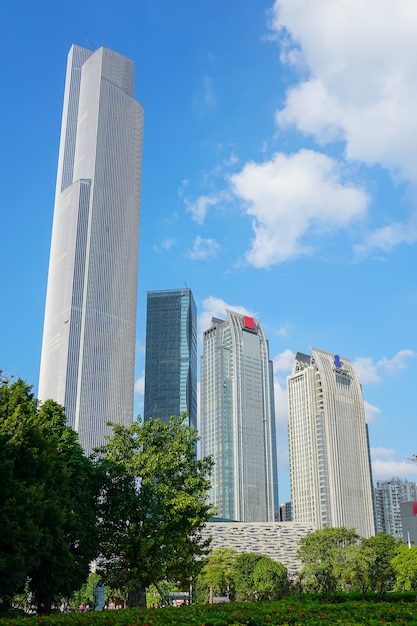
308 611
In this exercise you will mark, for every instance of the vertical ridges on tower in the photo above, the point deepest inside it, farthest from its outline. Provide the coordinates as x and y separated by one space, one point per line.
88 348
237 419
330 472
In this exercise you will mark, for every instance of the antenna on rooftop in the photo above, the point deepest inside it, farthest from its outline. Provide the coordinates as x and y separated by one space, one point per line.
92 46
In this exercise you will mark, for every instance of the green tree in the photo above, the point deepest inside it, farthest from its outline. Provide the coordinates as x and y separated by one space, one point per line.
244 569
21 495
217 574
270 579
56 535
367 565
383 548
153 506
323 554
404 565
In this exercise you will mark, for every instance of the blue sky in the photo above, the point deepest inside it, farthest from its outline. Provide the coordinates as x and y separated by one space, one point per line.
279 178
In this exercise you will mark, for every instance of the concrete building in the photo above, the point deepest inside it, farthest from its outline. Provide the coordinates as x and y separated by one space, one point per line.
88 348
330 469
238 419
171 355
408 512
388 496
278 541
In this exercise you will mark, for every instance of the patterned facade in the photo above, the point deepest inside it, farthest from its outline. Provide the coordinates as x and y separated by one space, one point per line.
277 540
171 355
330 469
238 419
88 349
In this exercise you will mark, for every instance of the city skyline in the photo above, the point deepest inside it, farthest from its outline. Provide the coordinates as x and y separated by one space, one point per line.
278 179
171 356
88 355
237 425
330 470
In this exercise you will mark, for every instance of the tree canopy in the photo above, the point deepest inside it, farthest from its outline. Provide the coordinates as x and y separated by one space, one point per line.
153 506
48 503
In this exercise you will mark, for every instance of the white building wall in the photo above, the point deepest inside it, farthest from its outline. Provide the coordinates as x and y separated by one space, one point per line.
88 349
329 461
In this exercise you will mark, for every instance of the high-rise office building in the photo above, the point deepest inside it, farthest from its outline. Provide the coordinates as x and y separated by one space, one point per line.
171 355
388 496
88 348
330 469
238 419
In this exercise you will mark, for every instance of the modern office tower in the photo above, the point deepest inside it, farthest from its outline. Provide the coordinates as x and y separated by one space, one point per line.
88 348
238 419
171 355
330 470
388 496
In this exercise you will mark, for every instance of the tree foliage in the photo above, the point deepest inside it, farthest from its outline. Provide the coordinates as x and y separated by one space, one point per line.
323 554
153 506
405 567
270 579
218 572
382 549
47 501
244 568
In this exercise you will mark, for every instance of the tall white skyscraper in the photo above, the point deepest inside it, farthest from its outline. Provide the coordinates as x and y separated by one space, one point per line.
88 348
330 469
238 419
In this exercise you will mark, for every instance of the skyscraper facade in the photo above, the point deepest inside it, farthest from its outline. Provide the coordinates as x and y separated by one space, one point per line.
388 496
330 469
88 349
171 355
238 419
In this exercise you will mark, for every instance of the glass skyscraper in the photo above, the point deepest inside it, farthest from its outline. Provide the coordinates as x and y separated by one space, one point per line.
330 469
88 348
238 419
171 355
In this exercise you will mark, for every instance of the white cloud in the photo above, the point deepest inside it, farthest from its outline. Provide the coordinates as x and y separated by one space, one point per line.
385 470
216 307
366 370
371 412
377 453
361 78
292 196
203 249
385 467
387 237
398 361
370 372
198 207
167 244
205 98
283 362
282 332
140 384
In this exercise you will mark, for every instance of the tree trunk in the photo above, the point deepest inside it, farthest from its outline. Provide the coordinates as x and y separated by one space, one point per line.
44 606
136 595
